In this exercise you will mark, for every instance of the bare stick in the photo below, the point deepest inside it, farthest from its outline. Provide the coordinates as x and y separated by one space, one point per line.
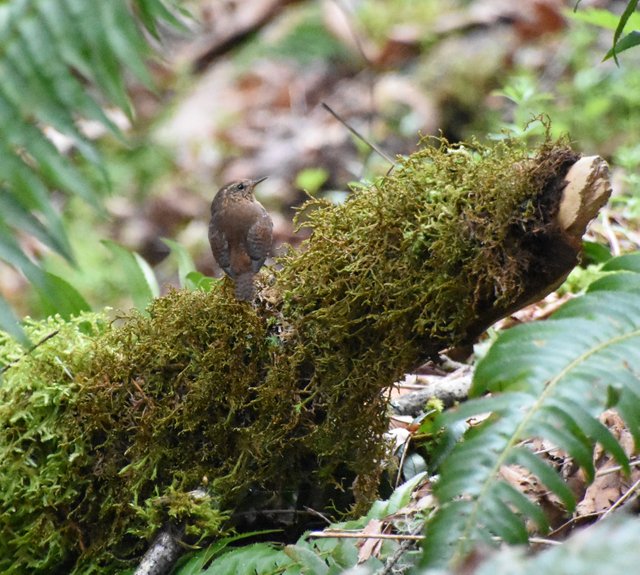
357 134
352 535
399 552
30 350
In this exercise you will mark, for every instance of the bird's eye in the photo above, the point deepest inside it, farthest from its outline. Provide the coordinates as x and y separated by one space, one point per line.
241 187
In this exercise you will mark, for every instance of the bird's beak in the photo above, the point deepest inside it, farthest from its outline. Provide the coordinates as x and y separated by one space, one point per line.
256 182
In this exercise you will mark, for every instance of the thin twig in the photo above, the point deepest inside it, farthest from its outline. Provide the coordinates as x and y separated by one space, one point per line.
30 350
318 514
405 448
348 16
360 535
544 541
597 515
609 470
399 552
357 134
573 520
622 499
401 537
608 231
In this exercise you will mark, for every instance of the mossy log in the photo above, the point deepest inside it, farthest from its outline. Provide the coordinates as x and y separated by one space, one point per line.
106 428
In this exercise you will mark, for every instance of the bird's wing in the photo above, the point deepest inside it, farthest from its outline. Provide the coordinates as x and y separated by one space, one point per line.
220 248
259 241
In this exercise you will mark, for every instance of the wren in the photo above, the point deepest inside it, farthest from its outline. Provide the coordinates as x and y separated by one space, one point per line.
240 234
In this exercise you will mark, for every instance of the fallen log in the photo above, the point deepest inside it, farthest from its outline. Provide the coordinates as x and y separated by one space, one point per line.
280 404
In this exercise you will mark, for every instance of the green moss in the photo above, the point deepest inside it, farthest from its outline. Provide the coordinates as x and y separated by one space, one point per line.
105 429
416 257
39 481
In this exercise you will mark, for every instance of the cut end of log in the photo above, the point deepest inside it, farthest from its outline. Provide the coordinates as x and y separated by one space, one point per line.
587 191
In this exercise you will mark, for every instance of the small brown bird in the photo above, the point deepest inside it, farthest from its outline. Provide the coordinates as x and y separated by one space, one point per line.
240 234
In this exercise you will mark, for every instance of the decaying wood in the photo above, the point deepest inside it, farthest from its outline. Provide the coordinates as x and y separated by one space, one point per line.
166 548
449 389
161 556
586 191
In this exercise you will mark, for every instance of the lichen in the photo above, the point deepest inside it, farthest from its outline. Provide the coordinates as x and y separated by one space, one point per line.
106 428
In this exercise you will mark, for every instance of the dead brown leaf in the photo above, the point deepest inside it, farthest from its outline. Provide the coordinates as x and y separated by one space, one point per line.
371 547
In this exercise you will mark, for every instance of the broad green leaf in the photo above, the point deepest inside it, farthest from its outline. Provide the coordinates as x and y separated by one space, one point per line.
414 464
602 18
61 62
480 406
628 262
91 36
595 253
629 407
9 323
12 253
509 494
621 281
63 87
345 553
56 169
152 11
608 547
576 445
446 530
499 518
125 40
57 19
311 179
60 297
399 498
15 215
472 466
185 262
141 280
593 428
31 55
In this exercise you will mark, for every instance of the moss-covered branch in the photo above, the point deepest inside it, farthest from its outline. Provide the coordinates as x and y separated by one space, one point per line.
105 429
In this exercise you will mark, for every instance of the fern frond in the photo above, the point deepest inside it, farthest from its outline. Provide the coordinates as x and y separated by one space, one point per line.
548 380
60 61
608 548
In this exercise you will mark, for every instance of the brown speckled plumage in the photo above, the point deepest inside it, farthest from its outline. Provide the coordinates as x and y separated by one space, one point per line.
240 234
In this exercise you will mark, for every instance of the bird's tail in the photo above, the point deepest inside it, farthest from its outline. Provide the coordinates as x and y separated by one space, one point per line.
244 287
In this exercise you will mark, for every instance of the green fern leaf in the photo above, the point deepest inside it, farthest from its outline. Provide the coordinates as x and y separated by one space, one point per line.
141 280
607 548
152 11
550 380
61 61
